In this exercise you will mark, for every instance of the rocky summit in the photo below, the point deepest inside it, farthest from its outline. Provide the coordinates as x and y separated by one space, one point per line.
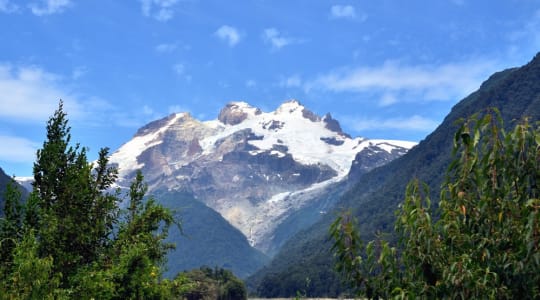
255 168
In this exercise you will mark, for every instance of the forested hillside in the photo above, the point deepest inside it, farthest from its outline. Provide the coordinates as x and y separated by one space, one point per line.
206 239
374 199
4 180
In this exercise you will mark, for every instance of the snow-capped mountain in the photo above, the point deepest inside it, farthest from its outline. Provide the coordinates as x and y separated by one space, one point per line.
255 168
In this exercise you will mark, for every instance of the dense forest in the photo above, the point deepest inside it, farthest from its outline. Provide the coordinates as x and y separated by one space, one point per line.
71 240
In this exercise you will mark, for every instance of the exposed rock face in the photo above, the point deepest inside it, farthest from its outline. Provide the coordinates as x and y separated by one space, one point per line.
369 158
308 114
236 112
333 125
256 169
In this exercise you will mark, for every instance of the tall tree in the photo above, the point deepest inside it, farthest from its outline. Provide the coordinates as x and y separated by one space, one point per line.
76 213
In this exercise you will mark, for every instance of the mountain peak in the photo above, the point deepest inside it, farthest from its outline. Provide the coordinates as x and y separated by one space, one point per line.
236 112
294 106
255 168
290 106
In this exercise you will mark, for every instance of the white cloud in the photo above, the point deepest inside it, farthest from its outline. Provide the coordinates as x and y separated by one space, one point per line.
228 34
413 123
49 7
276 39
165 48
7 7
30 93
30 96
17 149
343 11
425 82
161 10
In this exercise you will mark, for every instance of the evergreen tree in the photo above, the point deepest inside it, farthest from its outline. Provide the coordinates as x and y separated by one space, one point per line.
76 213
139 249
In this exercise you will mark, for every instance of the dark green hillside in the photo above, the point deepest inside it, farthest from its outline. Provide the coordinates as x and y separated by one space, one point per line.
515 92
4 180
208 239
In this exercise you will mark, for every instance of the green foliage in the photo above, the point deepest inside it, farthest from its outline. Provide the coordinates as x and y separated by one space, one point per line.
32 277
486 241
70 240
206 283
76 213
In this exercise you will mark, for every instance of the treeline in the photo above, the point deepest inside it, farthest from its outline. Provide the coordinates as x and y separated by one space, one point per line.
71 240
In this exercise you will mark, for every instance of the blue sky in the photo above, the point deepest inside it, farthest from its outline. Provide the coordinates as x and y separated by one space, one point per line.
385 69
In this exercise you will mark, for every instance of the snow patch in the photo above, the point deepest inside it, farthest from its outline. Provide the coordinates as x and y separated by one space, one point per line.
126 156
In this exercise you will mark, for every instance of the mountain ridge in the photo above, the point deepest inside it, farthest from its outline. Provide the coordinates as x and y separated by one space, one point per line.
255 168
374 198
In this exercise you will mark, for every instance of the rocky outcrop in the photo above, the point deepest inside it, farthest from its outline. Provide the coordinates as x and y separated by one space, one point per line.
236 112
333 125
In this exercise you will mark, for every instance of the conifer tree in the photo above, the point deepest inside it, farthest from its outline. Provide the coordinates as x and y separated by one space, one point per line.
76 213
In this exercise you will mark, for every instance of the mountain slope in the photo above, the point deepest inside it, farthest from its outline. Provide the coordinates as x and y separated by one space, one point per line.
515 92
255 168
4 180
206 239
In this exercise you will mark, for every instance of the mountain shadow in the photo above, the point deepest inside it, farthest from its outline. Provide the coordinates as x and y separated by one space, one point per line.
206 239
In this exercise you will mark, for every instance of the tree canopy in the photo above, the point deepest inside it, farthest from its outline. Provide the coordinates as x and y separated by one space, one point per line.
483 241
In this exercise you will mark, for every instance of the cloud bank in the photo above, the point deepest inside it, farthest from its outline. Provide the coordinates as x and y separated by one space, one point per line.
450 81
31 94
